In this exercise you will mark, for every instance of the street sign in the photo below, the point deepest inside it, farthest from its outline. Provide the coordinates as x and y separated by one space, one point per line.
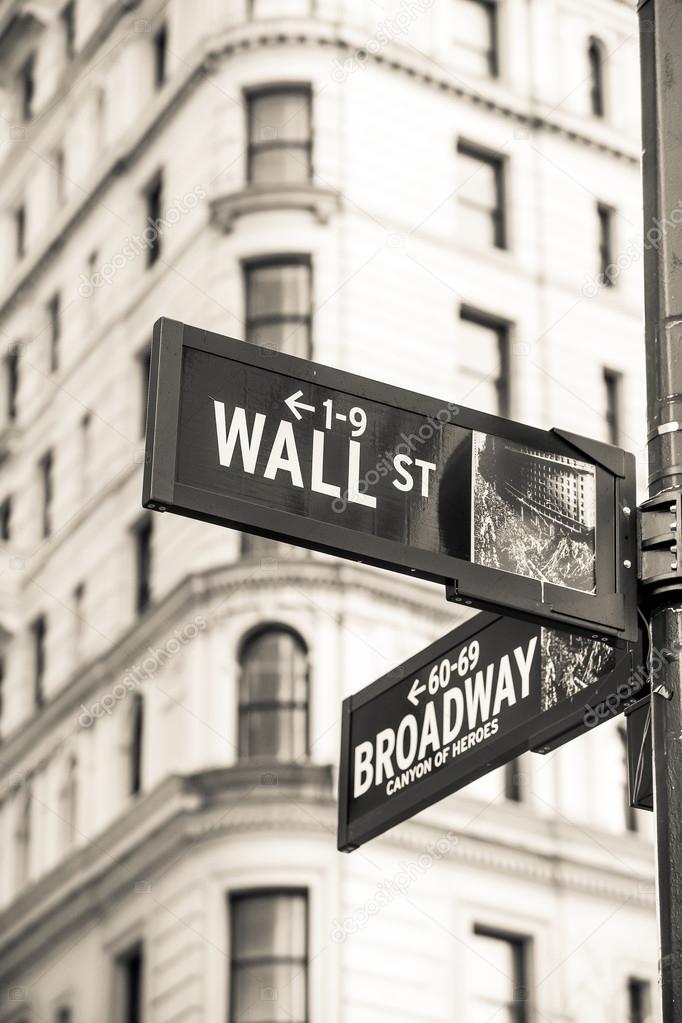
488 691
508 517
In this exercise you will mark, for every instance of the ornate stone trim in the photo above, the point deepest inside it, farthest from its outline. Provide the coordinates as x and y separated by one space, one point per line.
321 202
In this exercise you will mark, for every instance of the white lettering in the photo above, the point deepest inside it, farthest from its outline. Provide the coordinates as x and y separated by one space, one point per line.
505 685
525 664
478 698
426 468
317 482
248 445
399 462
429 737
385 745
363 774
354 494
284 440
451 731
404 759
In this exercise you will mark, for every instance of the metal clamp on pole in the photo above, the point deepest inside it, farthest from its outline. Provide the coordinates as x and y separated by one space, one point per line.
660 523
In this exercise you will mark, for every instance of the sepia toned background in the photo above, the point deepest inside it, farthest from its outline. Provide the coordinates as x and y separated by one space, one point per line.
441 194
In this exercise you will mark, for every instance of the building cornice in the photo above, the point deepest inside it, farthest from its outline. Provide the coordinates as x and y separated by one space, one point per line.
23 750
253 36
184 813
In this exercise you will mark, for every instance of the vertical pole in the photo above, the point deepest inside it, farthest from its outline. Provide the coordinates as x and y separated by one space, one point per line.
660 32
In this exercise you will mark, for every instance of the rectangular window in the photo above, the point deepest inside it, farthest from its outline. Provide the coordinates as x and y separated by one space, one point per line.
498 972
605 220
136 738
38 639
481 195
23 833
514 788
484 342
143 562
68 19
639 1001
78 605
54 319
26 88
269 957
145 373
45 471
280 136
160 43
6 520
3 669
12 382
279 305
85 452
153 195
20 231
476 36
130 985
613 394
59 176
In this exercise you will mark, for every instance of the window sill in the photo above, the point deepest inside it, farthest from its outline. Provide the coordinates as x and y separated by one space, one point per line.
321 202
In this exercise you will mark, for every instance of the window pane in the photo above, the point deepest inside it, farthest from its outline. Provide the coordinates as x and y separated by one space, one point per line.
266 734
474 36
285 165
477 182
274 668
269 926
269 993
282 116
496 974
278 290
482 366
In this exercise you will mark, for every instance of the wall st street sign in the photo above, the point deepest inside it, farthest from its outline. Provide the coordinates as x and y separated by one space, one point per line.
488 691
507 516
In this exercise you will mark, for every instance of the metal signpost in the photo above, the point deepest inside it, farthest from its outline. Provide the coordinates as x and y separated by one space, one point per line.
535 523
480 696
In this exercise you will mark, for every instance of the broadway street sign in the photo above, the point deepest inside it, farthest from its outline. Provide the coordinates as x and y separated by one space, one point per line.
485 693
508 517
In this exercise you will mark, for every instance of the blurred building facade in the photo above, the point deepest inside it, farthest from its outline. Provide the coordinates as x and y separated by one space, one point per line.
443 195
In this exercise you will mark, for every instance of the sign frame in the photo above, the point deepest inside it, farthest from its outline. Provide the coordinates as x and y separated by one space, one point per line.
557 726
610 610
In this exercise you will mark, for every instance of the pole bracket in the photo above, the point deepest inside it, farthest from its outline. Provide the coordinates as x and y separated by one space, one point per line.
659 552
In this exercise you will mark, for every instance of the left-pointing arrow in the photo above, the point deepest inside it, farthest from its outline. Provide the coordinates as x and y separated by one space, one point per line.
294 404
415 691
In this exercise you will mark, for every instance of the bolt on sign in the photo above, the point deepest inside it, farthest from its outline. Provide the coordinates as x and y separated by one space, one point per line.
508 517
488 691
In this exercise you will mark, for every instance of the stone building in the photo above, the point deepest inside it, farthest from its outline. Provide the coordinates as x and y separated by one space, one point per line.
441 194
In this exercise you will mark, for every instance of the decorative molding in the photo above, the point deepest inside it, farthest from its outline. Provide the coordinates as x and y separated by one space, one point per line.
251 37
185 812
191 596
321 202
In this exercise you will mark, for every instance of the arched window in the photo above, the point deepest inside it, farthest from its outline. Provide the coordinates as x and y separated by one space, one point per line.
273 695
595 60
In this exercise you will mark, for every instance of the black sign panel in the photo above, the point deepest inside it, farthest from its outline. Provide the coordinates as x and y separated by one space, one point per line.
488 691
506 516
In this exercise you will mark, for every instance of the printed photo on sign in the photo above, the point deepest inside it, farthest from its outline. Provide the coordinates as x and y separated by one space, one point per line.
533 513
571 664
